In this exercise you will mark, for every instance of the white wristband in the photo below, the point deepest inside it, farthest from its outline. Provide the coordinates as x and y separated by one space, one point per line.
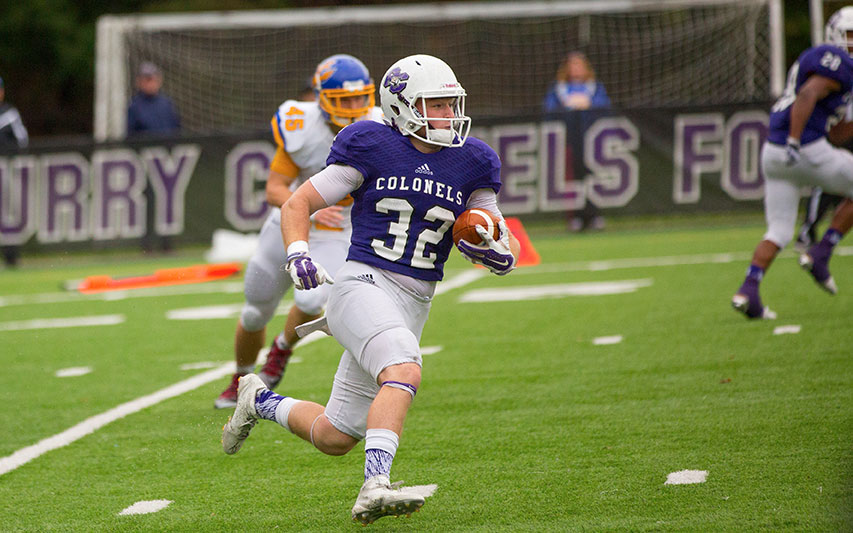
793 142
297 247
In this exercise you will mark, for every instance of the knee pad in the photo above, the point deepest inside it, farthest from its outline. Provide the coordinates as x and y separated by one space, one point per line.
313 301
254 318
263 291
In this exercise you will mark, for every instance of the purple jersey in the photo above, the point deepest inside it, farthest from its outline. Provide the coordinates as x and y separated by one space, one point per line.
824 60
403 212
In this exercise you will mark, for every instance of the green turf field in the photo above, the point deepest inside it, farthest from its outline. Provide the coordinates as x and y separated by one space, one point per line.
522 421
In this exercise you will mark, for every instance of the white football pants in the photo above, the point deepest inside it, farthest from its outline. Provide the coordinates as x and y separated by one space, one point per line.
379 324
266 280
821 165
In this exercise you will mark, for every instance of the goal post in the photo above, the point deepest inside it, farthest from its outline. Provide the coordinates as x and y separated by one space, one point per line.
229 71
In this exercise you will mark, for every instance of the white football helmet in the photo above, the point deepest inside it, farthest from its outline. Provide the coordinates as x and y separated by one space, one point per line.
420 77
839 29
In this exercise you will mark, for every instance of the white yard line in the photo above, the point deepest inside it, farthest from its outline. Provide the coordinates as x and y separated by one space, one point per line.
686 477
210 312
784 330
460 280
146 507
609 339
110 296
72 372
73 322
541 292
662 261
90 425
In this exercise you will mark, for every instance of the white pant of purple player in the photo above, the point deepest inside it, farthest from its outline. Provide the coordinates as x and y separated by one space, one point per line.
821 165
380 324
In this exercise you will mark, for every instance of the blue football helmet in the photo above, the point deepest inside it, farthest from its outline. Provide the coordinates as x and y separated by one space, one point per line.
337 80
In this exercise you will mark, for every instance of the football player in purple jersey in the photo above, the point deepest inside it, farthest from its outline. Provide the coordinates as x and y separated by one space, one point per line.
797 153
409 178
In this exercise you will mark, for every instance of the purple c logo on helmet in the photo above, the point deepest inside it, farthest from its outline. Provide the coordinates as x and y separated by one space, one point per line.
395 81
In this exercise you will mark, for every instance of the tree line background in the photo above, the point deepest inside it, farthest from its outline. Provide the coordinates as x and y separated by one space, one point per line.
47 50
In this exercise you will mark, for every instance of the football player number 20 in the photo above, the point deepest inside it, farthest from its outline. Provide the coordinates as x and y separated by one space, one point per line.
400 231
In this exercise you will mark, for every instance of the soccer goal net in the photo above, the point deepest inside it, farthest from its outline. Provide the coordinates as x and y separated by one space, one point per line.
229 71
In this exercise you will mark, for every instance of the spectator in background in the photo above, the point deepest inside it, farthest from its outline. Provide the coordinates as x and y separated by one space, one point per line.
13 136
151 113
576 88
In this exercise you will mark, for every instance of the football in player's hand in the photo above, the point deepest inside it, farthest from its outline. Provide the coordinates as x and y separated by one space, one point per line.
466 223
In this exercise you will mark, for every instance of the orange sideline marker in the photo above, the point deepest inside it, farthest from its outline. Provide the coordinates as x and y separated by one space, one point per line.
160 278
529 256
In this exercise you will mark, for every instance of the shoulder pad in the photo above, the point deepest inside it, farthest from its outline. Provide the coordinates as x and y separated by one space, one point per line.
376 114
294 122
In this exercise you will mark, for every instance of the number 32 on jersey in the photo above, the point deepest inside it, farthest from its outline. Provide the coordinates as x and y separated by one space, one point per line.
401 229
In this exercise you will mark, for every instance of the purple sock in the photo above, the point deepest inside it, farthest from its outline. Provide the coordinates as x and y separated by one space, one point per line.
831 238
265 404
755 273
377 462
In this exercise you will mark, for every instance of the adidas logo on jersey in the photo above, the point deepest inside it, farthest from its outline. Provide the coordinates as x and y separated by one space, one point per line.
423 169
367 278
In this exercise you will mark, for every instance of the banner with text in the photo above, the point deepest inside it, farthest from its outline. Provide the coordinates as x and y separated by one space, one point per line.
638 161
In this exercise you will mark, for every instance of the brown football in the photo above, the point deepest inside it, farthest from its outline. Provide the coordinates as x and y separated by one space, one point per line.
465 225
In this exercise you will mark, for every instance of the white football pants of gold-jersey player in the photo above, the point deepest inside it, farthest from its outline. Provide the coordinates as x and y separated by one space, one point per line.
821 165
266 282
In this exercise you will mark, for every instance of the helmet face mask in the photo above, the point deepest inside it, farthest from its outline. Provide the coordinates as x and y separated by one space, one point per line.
416 80
839 29
344 90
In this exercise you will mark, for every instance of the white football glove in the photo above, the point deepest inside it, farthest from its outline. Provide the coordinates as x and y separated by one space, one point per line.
792 152
305 273
493 254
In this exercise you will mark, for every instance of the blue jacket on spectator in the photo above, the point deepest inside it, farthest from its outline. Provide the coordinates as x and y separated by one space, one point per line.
152 114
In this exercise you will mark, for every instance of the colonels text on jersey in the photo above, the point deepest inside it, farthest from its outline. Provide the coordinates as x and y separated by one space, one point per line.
411 235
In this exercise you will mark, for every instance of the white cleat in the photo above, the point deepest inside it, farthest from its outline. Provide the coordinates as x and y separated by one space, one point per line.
741 303
830 286
319 324
807 263
237 429
378 498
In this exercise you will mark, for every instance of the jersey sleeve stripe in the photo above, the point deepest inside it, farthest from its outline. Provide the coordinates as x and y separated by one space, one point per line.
277 134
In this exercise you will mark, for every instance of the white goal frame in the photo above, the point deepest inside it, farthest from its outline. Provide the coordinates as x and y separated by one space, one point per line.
113 79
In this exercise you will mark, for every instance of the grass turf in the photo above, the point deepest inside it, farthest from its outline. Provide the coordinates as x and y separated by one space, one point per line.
522 422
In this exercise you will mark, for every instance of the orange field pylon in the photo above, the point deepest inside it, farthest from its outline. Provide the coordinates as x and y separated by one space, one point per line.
160 278
529 256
